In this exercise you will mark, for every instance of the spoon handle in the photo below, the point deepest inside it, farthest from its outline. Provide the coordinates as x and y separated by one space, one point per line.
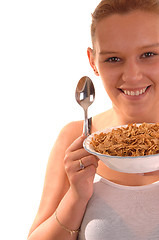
87 125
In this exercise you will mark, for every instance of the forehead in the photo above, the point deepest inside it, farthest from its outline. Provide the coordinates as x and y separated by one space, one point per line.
134 29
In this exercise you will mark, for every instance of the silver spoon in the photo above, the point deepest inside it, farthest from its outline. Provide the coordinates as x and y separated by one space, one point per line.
85 95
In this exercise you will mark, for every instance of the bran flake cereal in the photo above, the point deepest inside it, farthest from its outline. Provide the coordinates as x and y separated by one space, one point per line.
132 140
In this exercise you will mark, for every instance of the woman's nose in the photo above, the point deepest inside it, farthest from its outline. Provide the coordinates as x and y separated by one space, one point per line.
131 72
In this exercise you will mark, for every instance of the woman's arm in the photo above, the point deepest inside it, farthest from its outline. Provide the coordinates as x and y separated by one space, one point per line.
65 187
69 212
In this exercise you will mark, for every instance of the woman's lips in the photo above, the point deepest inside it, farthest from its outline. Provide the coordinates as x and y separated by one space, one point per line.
134 92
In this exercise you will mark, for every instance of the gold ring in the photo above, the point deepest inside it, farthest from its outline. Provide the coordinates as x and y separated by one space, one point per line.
81 165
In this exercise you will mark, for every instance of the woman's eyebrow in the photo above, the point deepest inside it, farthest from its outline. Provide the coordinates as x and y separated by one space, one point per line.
107 52
150 45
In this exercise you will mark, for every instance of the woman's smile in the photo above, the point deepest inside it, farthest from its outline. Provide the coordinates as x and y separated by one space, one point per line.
135 93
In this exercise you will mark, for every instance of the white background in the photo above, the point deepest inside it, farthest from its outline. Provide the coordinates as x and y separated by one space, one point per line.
42 56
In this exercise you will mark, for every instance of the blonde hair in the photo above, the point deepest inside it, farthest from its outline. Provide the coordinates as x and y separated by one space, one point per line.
110 7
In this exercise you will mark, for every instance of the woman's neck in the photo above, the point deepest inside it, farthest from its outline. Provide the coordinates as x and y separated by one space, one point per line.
123 119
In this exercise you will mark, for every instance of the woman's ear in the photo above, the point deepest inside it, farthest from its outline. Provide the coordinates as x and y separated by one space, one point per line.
92 60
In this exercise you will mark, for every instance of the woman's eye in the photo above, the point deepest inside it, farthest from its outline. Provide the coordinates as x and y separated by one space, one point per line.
113 59
148 54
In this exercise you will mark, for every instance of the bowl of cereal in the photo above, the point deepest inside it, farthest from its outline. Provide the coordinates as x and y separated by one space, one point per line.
132 148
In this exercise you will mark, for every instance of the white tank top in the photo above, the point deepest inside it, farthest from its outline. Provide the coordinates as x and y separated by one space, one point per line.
117 212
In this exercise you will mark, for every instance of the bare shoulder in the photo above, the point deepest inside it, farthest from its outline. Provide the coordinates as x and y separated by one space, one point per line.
56 183
72 130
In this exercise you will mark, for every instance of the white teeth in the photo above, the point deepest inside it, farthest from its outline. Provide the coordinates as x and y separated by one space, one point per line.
135 93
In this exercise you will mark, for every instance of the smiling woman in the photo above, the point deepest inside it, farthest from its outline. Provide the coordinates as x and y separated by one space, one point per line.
82 197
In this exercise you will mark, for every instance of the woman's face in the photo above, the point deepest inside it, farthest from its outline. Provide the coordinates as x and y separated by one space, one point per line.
127 60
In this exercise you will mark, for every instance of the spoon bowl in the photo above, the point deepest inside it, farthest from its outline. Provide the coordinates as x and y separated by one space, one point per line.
85 95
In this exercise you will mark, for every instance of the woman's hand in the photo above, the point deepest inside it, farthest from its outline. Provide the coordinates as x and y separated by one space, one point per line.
81 180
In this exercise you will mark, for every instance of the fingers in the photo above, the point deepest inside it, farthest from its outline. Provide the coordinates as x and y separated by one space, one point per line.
77 154
87 161
77 144
74 166
80 167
